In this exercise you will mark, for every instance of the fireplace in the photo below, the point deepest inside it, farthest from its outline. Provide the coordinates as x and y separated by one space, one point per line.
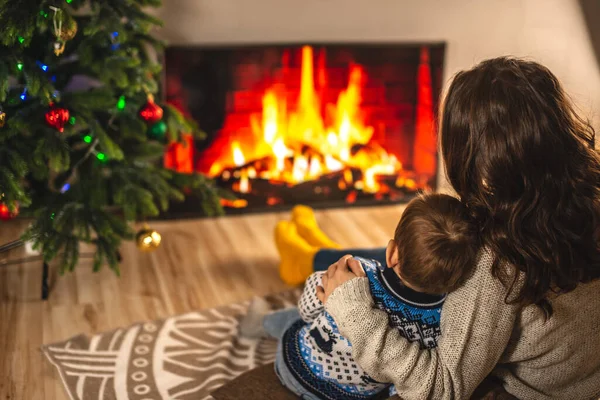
323 125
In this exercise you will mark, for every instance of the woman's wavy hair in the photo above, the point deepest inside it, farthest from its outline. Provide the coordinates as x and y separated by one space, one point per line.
524 163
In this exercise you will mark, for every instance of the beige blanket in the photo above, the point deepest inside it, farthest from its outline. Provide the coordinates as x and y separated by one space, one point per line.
182 357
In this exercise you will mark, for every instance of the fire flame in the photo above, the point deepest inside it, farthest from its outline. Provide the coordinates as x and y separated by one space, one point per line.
312 139
238 156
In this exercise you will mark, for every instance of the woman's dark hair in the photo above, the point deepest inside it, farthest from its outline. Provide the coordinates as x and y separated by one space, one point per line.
524 163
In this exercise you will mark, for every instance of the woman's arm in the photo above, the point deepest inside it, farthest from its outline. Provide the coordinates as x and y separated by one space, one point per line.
476 326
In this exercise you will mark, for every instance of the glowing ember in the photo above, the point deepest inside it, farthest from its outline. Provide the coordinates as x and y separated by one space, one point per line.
238 203
244 183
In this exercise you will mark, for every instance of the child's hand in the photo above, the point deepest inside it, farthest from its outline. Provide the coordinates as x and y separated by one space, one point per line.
337 274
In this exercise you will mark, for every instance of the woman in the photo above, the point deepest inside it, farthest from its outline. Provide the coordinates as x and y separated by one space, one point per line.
523 162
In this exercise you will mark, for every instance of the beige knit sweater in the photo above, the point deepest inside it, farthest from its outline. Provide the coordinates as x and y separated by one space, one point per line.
558 359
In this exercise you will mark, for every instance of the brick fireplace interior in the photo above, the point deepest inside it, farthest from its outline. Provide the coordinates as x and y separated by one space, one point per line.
323 125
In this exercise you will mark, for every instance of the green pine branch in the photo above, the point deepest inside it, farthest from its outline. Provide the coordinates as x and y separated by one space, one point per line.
88 183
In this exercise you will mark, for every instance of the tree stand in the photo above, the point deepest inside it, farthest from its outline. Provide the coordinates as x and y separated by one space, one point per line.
45 267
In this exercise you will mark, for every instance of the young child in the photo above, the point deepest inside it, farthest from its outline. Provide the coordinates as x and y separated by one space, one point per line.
433 251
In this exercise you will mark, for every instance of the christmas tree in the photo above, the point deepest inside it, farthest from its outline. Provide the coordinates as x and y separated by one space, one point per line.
81 136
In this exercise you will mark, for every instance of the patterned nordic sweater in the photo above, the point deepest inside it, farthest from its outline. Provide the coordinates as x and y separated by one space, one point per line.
320 358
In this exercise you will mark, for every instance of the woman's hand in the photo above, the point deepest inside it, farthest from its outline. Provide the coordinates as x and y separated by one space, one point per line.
337 274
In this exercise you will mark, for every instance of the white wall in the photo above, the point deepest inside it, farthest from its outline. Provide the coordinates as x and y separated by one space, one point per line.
549 31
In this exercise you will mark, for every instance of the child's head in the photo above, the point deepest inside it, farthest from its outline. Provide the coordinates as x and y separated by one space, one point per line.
435 245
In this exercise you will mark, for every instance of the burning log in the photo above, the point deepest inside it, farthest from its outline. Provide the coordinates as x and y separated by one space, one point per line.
344 185
307 176
258 166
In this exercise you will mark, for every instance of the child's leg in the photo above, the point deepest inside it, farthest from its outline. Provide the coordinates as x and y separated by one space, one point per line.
276 323
325 257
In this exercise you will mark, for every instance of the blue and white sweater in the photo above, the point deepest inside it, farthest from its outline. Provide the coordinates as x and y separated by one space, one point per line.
320 358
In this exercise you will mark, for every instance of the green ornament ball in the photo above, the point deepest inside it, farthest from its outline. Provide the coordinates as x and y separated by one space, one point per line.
158 130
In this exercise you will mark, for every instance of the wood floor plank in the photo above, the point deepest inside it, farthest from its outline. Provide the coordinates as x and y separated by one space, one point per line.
200 263
21 362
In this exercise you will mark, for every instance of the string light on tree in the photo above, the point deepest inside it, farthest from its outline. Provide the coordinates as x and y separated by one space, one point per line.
42 66
72 178
100 156
121 103
57 117
115 42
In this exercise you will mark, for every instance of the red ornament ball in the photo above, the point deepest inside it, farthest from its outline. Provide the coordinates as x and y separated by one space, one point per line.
57 117
6 214
151 112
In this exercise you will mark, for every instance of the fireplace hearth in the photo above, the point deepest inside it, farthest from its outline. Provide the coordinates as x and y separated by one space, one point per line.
323 125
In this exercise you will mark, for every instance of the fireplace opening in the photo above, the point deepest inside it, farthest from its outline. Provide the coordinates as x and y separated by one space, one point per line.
323 125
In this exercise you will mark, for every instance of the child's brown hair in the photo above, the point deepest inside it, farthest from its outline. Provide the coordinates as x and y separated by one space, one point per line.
437 244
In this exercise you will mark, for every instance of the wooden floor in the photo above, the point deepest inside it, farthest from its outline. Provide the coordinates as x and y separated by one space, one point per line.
201 263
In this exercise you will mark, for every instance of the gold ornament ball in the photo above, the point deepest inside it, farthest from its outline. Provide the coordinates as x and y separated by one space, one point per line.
148 239
68 29
2 118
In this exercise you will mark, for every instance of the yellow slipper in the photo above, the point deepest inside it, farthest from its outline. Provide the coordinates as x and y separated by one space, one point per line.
296 254
308 228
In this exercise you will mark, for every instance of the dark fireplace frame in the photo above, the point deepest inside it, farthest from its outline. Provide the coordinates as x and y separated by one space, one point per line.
190 207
